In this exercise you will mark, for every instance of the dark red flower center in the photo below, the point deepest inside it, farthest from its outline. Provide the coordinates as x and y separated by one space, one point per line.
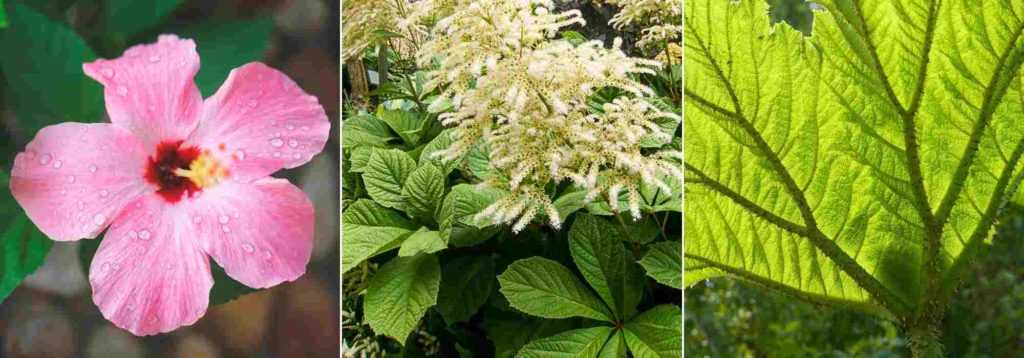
160 170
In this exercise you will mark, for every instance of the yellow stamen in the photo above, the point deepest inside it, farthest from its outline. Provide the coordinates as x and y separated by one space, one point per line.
204 171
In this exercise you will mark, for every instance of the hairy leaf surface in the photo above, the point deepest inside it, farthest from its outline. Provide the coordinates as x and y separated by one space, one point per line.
400 293
857 165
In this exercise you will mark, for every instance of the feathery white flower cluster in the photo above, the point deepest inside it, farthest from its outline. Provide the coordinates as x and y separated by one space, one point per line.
526 95
660 20
368 22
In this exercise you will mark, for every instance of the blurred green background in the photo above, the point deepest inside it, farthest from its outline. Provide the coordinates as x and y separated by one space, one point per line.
42 47
728 318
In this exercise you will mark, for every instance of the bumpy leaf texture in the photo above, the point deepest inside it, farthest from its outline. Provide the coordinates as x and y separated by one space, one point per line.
861 165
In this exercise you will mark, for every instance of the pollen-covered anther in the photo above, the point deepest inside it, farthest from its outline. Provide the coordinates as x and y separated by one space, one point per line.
204 171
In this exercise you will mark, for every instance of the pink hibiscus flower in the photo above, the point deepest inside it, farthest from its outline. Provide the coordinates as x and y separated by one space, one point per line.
177 179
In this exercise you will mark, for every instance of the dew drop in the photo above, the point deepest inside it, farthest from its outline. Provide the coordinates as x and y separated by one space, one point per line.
104 193
45 159
116 266
223 219
277 154
276 142
297 156
225 228
293 143
154 58
63 192
132 234
240 154
92 168
105 266
305 128
253 103
248 247
267 255
99 219
122 90
57 164
71 178
144 235
290 127
108 72
168 266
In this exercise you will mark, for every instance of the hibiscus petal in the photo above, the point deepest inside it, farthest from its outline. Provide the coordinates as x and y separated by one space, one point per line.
260 232
149 275
150 89
73 178
260 121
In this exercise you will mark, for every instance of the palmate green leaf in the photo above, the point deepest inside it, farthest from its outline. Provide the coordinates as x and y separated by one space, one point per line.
423 191
369 229
510 331
127 17
858 165
577 343
22 246
42 68
385 174
544 288
615 347
663 263
605 264
423 241
656 333
466 283
400 293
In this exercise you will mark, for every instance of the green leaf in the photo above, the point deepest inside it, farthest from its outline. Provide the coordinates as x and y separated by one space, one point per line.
423 191
615 347
423 241
358 158
385 175
478 160
369 229
466 283
456 216
24 247
656 333
3 15
569 203
511 331
365 130
544 288
409 125
664 263
640 231
574 37
224 46
860 166
605 264
127 17
440 142
45 79
581 343
400 293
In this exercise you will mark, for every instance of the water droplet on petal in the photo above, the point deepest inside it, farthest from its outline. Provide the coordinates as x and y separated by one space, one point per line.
99 219
305 128
92 168
105 266
240 154
45 159
293 143
71 178
132 234
253 103
144 235
248 247
276 142
267 255
122 90
154 58
168 265
63 192
225 228
297 156
108 72
57 164
223 219
277 154
116 266
104 193
290 127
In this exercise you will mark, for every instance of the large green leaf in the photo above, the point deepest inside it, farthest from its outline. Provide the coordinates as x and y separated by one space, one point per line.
365 130
408 124
385 174
23 247
615 347
466 282
423 191
664 263
400 293
440 142
423 241
128 17
369 229
510 331
605 264
457 214
224 46
544 288
859 164
577 343
42 67
656 333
